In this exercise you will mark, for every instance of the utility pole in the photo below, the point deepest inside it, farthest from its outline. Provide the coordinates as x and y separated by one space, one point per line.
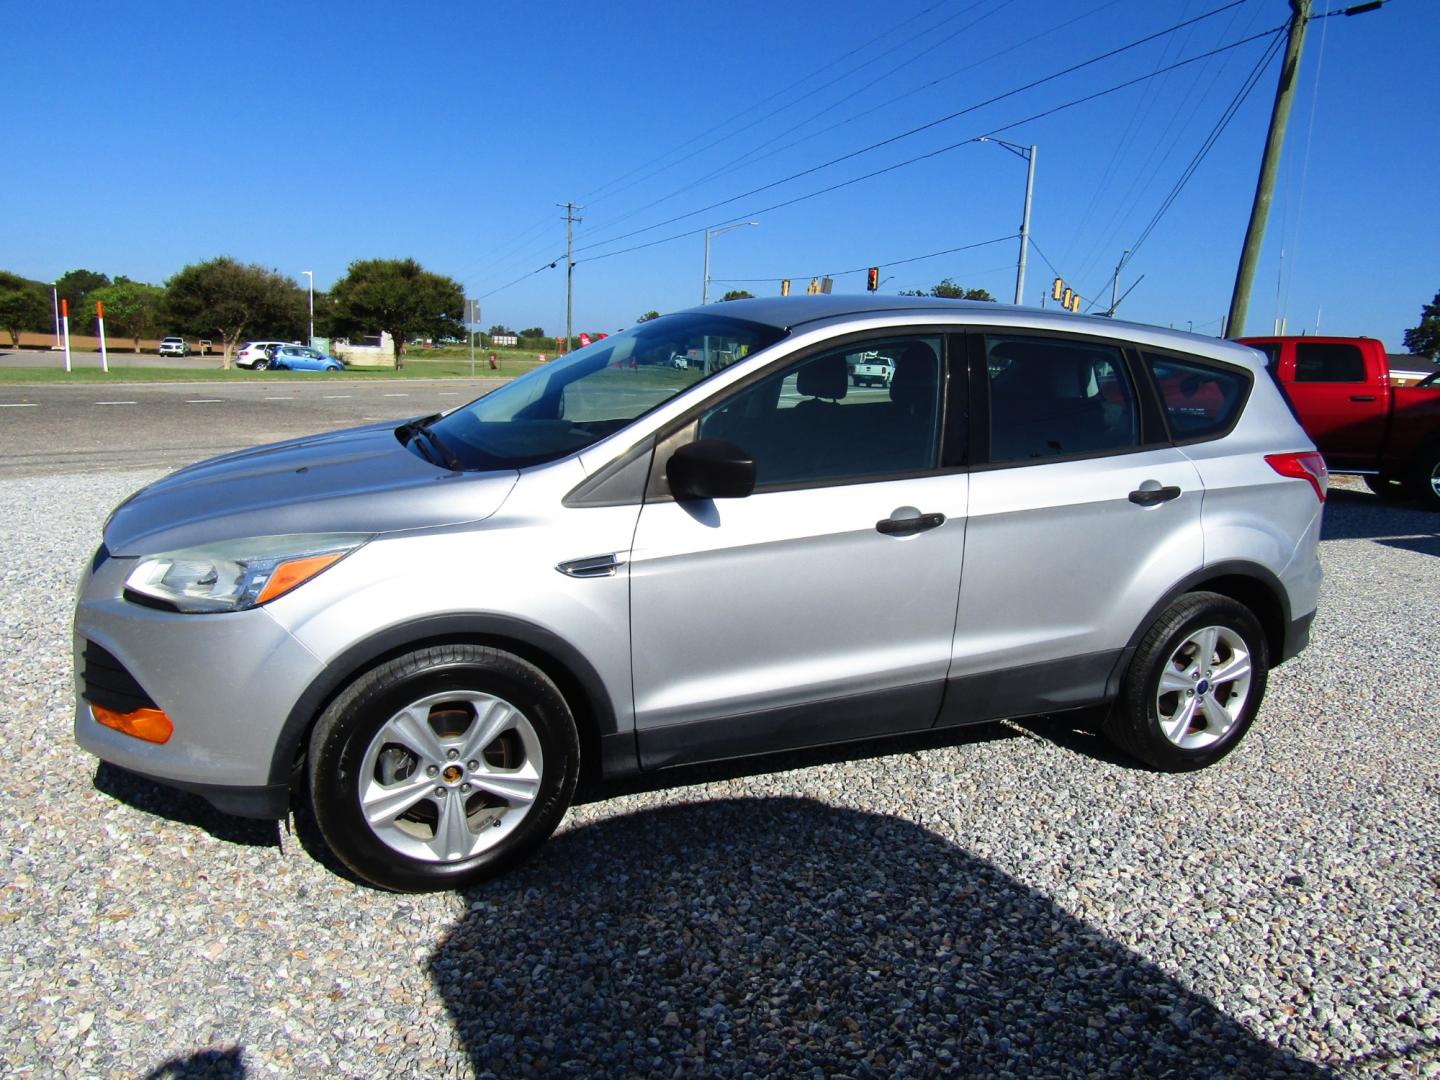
1269 166
570 220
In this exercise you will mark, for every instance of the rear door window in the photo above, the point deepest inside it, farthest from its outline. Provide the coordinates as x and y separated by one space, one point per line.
1328 362
1053 398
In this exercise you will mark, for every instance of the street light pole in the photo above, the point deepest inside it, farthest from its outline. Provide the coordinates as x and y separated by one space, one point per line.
1029 154
311 275
705 289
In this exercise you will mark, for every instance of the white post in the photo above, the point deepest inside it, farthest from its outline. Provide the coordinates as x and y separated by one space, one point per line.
100 321
65 324
55 303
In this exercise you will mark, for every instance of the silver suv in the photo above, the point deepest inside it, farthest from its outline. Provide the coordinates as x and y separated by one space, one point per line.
614 565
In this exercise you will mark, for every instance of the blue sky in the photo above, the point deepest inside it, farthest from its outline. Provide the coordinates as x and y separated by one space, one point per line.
304 136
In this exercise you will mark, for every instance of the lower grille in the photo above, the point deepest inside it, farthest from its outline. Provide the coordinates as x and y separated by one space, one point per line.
106 682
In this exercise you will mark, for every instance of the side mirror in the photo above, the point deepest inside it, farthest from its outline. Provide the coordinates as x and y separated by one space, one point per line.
710 469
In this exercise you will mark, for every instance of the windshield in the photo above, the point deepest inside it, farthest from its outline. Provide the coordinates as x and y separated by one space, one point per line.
564 406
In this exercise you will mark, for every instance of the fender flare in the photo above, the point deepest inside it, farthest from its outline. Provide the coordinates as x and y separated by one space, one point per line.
500 630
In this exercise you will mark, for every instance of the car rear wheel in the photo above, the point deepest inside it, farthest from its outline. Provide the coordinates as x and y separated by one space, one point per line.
1193 686
261 364
442 767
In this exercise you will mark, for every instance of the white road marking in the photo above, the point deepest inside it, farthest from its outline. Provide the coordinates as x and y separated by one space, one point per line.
286 397
204 401
117 403
334 397
19 404
397 395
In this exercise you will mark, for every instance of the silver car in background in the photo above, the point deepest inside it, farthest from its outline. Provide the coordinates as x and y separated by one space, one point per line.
616 564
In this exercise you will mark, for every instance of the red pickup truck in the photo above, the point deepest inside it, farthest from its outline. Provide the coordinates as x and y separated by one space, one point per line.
1341 389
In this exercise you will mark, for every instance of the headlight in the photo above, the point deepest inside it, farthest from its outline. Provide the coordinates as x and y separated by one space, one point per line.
239 574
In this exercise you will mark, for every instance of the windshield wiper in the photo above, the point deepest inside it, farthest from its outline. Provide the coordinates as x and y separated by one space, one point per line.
441 454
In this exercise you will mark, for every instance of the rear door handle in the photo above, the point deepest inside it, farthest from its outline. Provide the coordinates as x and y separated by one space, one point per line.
1362 397
1144 496
901 526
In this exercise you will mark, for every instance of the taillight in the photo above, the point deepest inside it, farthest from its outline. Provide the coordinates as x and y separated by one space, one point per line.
1308 465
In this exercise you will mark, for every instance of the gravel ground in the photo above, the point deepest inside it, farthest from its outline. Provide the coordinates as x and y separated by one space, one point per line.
1011 900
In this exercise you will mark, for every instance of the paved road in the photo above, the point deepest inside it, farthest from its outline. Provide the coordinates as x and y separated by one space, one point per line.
46 430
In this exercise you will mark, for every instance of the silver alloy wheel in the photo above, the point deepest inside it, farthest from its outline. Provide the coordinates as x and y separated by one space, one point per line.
1435 479
450 775
1203 687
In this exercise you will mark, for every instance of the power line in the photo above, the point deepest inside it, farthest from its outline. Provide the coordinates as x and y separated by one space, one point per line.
889 168
863 269
928 125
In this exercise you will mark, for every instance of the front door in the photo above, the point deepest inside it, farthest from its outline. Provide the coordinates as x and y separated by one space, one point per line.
821 607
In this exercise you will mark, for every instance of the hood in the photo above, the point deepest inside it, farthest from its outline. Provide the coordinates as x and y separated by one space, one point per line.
355 480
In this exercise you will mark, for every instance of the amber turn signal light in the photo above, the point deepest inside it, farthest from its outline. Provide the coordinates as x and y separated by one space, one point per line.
152 725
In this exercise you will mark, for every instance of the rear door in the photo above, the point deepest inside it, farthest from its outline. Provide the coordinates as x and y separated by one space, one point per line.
1083 516
821 607
1343 406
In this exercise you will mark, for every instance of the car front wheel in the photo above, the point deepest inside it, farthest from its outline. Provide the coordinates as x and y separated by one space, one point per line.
1425 478
1193 686
442 767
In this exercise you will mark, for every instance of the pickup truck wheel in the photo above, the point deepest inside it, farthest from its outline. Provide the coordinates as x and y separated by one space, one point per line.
442 767
1425 478
1193 686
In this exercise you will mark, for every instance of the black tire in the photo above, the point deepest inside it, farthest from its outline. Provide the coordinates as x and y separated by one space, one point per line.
261 365
349 734
1138 719
1425 476
1389 488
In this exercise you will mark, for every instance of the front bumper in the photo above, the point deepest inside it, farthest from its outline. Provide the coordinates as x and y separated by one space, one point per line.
226 681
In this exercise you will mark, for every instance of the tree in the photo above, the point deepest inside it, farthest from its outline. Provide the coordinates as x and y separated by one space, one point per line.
737 294
401 298
534 332
24 305
1425 338
648 316
500 330
948 290
225 299
76 286
132 308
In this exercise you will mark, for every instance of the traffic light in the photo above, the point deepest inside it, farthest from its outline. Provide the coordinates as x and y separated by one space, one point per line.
872 279
1065 298
813 289
785 286
1075 302
1057 289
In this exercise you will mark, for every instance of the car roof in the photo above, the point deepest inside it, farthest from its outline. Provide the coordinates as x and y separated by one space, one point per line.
794 313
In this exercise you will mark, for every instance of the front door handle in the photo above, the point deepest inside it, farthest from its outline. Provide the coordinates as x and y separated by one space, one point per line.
1150 496
903 525
1362 397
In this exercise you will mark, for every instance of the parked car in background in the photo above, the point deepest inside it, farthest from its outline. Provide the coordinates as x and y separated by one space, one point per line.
302 358
586 571
1360 420
256 354
174 346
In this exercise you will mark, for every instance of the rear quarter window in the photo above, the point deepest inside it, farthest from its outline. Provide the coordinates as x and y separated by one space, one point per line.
1200 401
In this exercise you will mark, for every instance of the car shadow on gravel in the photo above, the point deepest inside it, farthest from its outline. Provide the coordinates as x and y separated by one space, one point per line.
182 806
1353 515
783 937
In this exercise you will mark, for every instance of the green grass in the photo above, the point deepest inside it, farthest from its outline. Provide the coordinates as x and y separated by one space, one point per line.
426 367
